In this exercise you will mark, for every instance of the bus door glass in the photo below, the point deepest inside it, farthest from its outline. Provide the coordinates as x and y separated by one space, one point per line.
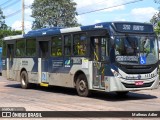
10 55
99 53
67 51
43 60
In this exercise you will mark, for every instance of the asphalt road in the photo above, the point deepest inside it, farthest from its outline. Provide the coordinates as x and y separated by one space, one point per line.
65 99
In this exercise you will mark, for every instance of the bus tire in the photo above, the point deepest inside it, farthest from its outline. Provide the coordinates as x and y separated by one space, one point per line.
82 86
122 93
24 80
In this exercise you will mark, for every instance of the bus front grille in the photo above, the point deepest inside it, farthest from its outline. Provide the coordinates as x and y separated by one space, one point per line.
131 69
136 86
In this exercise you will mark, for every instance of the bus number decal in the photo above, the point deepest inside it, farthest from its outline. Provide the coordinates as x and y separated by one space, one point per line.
85 63
76 60
44 77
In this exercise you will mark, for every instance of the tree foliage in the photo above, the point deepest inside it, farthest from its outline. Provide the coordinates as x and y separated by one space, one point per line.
157 29
54 13
9 32
2 21
6 30
156 20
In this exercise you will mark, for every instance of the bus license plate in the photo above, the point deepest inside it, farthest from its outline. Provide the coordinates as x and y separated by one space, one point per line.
139 83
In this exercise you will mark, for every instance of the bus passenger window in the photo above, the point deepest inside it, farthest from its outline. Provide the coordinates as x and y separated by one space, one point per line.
4 49
31 47
59 52
56 46
80 42
20 48
67 45
18 52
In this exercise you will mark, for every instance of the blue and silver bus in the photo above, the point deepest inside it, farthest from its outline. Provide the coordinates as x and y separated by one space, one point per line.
110 56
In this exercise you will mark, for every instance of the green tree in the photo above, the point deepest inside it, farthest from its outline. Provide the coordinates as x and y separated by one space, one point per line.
156 20
2 21
54 13
157 28
6 30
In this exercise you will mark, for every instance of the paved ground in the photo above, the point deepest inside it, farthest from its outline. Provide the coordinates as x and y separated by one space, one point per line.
64 99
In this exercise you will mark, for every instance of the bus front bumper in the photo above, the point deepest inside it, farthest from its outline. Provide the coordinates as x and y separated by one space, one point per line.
119 84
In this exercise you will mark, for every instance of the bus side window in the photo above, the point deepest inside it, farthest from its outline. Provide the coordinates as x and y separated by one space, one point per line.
18 52
56 46
4 49
20 48
80 42
67 45
31 47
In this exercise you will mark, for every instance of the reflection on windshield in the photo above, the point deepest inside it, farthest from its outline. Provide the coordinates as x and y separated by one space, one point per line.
133 48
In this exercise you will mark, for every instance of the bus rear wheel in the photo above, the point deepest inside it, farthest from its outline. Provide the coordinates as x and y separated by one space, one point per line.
24 80
82 86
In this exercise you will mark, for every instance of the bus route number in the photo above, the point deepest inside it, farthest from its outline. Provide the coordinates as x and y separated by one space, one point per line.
126 27
138 28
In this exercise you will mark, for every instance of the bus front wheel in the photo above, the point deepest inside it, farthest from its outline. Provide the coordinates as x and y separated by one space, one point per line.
82 86
24 80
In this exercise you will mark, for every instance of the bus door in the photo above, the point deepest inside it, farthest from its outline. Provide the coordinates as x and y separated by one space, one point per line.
98 54
10 55
43 61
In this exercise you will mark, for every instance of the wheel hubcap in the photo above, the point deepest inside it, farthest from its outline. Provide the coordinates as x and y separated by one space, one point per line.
82 85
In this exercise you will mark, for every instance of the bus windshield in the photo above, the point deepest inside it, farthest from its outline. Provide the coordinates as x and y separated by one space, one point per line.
136 49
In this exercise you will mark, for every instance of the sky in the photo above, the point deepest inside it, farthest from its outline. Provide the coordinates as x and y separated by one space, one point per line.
141 11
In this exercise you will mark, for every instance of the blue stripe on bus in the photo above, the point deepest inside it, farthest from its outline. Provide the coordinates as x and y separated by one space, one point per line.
35 66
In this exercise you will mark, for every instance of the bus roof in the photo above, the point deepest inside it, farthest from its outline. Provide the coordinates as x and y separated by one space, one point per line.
59 30
13 37
130 27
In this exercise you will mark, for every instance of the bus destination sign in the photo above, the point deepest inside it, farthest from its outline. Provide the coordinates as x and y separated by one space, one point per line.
131 27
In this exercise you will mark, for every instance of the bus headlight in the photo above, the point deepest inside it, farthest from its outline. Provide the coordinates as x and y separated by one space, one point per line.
116 74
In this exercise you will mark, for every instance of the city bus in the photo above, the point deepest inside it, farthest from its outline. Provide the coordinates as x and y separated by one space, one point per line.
110 56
